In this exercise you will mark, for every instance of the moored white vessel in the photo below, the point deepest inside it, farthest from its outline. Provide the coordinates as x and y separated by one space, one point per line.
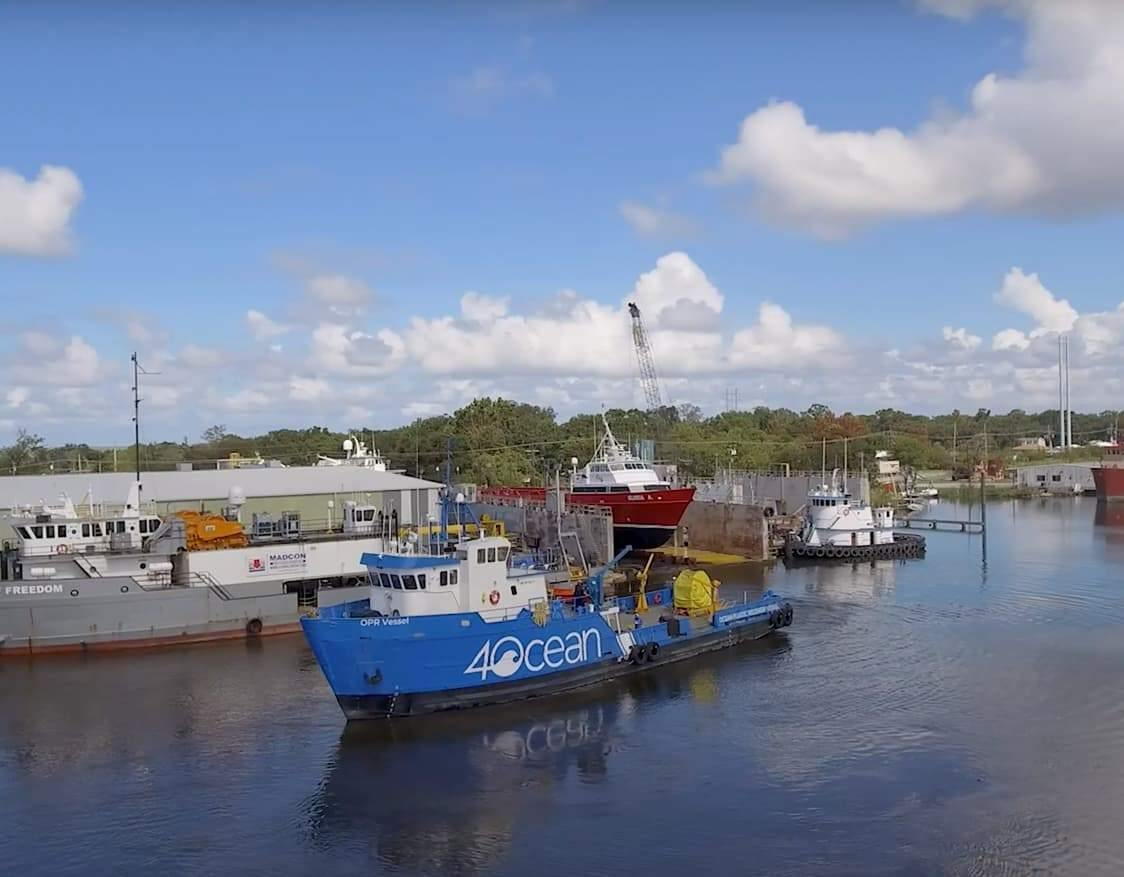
126 580
837 526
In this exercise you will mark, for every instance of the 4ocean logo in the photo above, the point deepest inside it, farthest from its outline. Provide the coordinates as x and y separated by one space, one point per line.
510 654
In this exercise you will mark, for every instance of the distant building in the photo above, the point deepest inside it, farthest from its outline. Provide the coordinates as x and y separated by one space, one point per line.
1032 444
1063 478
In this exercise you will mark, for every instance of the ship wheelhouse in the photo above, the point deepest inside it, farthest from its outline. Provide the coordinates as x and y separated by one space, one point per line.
614 469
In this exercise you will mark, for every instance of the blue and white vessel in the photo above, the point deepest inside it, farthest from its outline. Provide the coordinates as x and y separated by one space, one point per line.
467 626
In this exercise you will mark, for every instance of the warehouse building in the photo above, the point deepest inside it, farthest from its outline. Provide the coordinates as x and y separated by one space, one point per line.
1065 478
317 493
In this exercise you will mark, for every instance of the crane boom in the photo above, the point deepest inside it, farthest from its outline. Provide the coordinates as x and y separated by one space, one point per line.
648 378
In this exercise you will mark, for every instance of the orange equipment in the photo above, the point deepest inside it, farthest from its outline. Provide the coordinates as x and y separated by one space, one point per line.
211 532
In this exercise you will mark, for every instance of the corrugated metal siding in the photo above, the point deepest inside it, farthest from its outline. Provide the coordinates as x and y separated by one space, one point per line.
205 484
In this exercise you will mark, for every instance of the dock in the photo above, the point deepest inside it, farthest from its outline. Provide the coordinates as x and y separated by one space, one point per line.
692 557
939 524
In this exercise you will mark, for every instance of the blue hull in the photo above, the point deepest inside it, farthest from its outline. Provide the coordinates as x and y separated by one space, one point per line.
380 667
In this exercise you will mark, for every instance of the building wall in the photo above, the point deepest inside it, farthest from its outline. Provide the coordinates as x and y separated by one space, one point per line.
1056 477
729 528
784 493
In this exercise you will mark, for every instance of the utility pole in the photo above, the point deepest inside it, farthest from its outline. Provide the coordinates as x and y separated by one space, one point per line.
136 412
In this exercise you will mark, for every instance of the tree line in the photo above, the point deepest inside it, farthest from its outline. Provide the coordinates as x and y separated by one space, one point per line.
499 441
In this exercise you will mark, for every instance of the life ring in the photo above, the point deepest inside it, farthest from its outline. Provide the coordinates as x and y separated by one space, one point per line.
657 598
253 627
494 597
62 549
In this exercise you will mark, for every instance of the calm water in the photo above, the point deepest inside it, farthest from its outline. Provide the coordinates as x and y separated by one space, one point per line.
920 717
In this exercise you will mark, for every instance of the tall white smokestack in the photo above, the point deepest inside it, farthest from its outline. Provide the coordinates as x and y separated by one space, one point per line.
1061 394
1068 409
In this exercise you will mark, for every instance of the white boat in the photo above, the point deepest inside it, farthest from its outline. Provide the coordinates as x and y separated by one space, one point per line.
356 453
834 518
130 579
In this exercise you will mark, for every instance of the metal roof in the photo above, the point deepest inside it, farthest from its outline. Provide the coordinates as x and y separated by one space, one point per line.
17 491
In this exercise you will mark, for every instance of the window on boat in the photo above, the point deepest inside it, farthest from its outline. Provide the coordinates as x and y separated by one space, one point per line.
444 578
514 591
22 531
49 531
397 580
653 487
144 525
615 467
1041 477
369 515
501 554
421 580
491 555
481 554
96 527
619 488
373 578
385 579
453 575
1055 477
410 582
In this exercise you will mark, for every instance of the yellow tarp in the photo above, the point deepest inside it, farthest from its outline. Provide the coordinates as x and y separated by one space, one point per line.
694 592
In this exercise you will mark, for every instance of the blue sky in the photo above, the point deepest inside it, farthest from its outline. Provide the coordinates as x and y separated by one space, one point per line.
349 171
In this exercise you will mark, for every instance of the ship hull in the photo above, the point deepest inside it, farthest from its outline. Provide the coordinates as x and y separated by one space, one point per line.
643 520
380 667
116 613
1109 481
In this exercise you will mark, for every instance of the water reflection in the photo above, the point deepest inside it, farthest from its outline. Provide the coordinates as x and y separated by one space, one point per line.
445 795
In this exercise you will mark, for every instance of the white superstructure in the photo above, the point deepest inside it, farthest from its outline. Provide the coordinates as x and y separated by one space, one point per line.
614 469
356 454
833 518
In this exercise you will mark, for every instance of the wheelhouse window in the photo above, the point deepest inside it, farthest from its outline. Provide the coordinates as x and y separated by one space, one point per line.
385 579
373 578
453 575
444 578
96 528
410 583
501 554
397 580
421 580
491 555
481 555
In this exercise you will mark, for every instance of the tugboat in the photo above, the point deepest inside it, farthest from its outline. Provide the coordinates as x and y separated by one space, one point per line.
459 625
646 509
836 527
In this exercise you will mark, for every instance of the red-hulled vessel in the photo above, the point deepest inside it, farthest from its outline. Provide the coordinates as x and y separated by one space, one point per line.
646 509
1109 476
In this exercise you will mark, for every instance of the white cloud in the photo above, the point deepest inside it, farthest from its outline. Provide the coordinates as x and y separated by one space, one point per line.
1025 293
655 222
342 295
479 308
1010 339
960 338
262 327
1011 150
677 294
196 357
487 85
16 396
62 362
776 343
308 389
336 349
35 214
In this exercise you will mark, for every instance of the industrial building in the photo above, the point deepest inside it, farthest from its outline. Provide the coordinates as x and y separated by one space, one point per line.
317 493
1065 478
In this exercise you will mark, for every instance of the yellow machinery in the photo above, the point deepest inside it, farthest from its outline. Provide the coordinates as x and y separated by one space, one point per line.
695 593
642 583
211 532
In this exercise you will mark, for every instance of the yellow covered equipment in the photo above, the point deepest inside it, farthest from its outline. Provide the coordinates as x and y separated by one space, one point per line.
209 532
694 592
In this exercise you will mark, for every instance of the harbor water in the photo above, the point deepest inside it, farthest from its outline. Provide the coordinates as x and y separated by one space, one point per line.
934 716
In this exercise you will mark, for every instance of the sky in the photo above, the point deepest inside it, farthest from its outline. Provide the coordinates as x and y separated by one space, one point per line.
354 214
